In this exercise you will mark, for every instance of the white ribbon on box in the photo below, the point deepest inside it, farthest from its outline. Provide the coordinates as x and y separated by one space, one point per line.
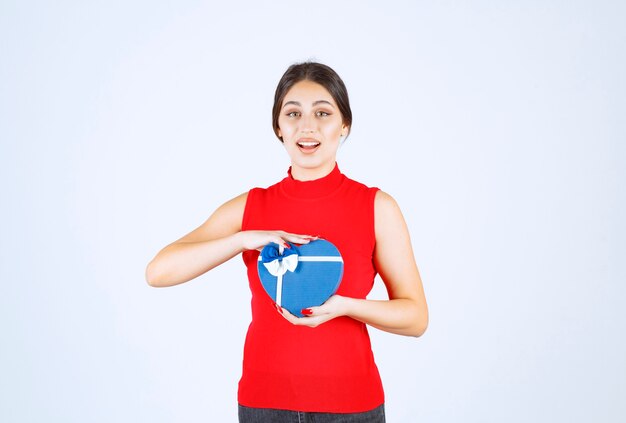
281 265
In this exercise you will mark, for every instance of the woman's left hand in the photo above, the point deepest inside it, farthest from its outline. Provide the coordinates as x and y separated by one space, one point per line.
335 306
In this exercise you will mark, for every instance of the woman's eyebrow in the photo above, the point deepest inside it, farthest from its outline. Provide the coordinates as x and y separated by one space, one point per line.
297 103
315 103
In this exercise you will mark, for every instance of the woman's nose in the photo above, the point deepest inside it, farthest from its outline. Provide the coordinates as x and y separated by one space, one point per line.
307 124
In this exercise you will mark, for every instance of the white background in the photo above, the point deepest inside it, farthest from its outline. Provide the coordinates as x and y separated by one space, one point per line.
497 126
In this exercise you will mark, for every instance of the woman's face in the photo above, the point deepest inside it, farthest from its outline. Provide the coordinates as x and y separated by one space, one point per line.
310 125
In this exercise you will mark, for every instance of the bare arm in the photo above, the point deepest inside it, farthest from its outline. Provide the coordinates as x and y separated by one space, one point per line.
217 240
406 312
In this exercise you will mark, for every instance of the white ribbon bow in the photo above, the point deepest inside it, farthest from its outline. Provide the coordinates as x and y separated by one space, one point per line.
278 268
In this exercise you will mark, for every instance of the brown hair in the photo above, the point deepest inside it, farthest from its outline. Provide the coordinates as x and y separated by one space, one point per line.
315 72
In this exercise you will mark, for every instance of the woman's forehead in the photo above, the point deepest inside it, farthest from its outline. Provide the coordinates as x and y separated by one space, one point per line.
308 92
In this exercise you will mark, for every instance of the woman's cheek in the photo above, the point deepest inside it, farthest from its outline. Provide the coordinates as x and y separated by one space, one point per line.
286 129
333 128
287 133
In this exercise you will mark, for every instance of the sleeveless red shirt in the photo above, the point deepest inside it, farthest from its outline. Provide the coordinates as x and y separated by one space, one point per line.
329 368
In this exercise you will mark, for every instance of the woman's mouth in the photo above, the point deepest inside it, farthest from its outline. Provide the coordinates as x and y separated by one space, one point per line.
308 146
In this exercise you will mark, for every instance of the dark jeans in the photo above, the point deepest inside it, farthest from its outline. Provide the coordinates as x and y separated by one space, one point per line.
270 415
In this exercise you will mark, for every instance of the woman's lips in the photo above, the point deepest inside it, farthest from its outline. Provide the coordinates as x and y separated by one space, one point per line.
308 145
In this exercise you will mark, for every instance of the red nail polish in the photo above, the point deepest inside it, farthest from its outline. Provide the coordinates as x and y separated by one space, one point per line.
278 309
306 311
286 245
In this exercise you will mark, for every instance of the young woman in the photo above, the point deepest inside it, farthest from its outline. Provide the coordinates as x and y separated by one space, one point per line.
319 367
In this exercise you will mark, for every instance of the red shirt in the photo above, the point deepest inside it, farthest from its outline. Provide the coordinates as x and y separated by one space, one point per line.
329 368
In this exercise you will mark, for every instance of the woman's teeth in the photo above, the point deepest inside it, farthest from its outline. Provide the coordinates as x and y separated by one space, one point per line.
308 144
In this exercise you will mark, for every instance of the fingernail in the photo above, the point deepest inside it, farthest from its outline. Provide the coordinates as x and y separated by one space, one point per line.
278 308
286 245
306 311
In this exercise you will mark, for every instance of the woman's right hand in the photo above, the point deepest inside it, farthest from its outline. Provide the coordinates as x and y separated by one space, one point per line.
256 240
218 239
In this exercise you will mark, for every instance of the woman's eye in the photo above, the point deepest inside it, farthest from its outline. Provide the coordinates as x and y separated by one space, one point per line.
292 114
321 113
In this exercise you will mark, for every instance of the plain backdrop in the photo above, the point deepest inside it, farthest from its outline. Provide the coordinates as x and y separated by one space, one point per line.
498 126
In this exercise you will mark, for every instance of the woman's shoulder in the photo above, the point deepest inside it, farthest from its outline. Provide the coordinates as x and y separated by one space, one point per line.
235 206
387 212
383 201
264 189
384 198
357 184
373 190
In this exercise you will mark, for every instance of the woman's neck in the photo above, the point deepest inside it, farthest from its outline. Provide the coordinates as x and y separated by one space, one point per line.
310 174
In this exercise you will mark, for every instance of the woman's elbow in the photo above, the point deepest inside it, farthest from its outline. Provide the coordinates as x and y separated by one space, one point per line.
419 329
153 276
420 324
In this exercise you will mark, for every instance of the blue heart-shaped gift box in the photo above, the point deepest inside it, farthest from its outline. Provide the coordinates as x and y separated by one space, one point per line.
301 276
